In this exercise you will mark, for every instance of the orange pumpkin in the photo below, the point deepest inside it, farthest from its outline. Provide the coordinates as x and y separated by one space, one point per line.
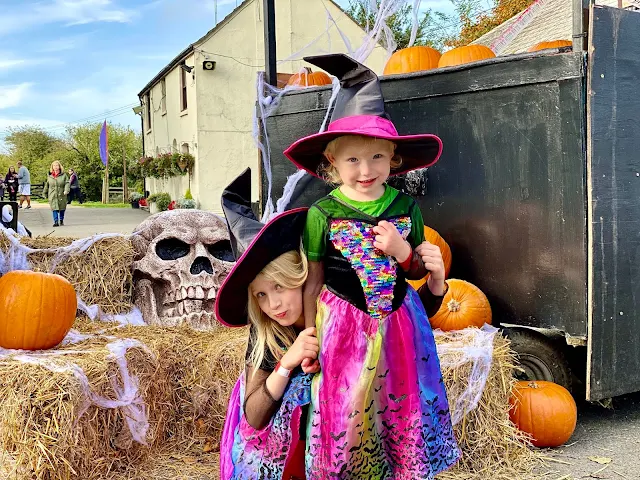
552 44
464 305
307 78
412 59
37 310
467 54
434 237
544 410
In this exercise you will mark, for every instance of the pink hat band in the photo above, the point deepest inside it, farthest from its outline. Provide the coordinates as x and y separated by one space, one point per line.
369 125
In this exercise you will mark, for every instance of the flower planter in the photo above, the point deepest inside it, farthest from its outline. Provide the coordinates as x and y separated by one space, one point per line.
135 204
153 208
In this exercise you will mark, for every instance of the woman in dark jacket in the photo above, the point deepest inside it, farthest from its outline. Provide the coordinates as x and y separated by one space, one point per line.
74 187
11 183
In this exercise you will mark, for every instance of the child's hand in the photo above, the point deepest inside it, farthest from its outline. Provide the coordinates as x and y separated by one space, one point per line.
432 259
306 346
389 240
309 365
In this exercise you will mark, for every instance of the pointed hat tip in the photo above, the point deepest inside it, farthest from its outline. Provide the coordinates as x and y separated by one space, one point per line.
339 65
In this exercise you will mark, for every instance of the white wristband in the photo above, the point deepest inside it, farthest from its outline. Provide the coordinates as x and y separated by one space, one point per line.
283 372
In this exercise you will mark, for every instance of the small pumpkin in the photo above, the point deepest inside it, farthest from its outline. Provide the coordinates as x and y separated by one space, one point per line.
544 410
308 78
551 44
466 54
37 310
412 59
464 305
432 236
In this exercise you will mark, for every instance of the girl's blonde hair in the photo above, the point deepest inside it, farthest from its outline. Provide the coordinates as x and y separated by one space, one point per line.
328 172
289 270
58 162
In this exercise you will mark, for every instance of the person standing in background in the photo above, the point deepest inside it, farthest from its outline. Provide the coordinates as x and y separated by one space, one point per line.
24 184
56 188
11 183
74 192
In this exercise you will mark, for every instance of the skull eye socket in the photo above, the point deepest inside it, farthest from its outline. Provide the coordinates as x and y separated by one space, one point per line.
222 251
172 249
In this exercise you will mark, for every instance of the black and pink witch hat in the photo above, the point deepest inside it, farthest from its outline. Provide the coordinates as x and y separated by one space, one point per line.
254 245
359 110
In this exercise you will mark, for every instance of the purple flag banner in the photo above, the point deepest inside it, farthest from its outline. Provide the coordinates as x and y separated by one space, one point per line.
104 144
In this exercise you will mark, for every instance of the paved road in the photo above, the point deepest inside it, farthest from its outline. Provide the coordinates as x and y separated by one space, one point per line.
607 435
81 222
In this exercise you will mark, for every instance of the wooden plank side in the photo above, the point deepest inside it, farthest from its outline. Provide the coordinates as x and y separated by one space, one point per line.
614 156
508 193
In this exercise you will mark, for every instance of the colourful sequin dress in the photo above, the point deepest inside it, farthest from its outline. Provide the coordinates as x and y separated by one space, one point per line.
378 407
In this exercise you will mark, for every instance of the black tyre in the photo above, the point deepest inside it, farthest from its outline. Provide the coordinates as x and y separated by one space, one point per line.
541 358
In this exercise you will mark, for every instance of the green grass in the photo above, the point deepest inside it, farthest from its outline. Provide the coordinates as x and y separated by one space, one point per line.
102 205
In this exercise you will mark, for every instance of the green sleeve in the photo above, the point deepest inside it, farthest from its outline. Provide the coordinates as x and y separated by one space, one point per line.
315 235
416 237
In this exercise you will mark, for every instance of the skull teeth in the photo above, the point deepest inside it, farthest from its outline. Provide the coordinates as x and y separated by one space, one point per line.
181 308
211 294
183 293
199 293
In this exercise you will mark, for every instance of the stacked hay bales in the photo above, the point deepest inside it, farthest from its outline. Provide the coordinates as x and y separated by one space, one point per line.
184 379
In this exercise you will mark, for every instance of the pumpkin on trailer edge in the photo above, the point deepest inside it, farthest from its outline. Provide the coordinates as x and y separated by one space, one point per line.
308 78
467 54
412 59
431 236
551 44
37 310
464 305
544 410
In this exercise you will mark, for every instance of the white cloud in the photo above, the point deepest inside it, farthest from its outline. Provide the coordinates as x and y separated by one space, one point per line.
62 44
12 96
6 64
69 12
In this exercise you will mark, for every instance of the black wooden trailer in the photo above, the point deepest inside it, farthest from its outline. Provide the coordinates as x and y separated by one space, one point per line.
537 192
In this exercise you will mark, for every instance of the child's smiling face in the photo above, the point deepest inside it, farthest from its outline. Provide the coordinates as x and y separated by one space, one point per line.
363 165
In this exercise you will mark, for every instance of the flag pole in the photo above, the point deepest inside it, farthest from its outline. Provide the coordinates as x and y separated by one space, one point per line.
103 144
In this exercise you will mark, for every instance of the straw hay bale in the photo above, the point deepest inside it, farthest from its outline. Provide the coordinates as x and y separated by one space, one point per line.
492 447
39 425
101 275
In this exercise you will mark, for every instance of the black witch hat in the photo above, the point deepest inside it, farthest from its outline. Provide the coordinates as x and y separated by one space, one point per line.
359 110
254 246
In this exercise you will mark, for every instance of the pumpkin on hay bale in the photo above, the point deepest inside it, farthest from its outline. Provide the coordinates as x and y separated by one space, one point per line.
100 274
464 305
37 310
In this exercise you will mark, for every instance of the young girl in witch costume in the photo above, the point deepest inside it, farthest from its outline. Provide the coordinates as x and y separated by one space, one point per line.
378 406
261 437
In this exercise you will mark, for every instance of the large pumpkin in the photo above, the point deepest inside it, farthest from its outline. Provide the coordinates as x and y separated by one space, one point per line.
467 54
37 310
307 78
552 44
464 305
544 410
412 59
431 236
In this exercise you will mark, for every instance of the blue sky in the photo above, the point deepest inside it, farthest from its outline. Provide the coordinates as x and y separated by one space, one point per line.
63 61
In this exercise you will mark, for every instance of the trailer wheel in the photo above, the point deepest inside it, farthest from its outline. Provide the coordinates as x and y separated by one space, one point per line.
540 357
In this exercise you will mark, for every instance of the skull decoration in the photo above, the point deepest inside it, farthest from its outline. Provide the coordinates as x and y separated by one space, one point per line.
181 259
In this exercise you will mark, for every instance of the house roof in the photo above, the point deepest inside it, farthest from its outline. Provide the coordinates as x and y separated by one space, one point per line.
554 21
187 51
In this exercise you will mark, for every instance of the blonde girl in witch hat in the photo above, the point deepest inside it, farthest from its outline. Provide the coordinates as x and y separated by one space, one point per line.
378 406
261 437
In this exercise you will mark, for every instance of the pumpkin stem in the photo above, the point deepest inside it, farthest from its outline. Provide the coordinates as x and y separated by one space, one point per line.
453 305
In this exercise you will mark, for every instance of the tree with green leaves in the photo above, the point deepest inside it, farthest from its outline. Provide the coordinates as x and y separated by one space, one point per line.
401 23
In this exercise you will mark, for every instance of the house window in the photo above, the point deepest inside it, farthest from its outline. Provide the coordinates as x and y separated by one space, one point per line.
163 100
147 110
183 89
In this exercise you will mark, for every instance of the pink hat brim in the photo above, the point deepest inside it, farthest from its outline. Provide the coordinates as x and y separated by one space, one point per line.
417 151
